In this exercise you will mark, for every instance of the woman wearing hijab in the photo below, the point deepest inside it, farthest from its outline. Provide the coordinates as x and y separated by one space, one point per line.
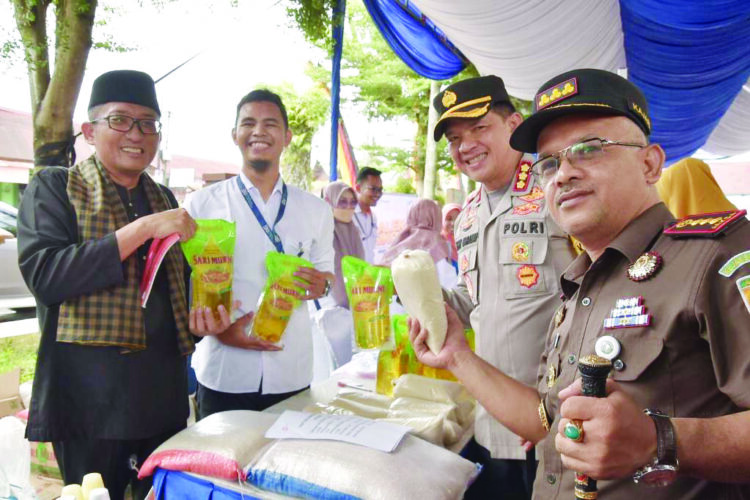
450 212
688 187
334 318
346 238
423 226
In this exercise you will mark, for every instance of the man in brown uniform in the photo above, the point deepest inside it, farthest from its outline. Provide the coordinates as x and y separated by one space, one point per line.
665 301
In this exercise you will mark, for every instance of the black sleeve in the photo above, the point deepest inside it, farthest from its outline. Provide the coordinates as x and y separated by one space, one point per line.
54 264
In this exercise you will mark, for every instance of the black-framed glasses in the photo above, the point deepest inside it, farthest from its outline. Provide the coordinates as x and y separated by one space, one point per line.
350 203
577 154
124 123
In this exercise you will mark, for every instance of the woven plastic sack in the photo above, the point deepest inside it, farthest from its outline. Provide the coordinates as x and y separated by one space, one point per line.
336 470
217 446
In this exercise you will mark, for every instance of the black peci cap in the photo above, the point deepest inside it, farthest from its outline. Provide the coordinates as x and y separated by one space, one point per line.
592 91
124 85
470 98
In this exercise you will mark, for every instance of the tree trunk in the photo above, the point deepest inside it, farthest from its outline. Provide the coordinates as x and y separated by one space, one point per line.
53 98
430 167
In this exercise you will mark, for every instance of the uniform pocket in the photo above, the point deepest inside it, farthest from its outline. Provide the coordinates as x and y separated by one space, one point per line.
637 354
522 261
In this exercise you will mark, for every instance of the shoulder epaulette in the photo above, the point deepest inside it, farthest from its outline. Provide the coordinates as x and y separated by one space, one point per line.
522 179
704 225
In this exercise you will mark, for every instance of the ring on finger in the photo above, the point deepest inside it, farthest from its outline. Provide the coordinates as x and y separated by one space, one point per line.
573 430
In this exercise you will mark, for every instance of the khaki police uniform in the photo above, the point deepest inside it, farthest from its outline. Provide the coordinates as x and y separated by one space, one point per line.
683 335
509 261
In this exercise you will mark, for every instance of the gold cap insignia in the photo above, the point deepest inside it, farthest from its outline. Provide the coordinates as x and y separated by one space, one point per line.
559 92
449 98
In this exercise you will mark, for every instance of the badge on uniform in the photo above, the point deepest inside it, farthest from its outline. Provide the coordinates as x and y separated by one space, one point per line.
520 251
551 376
744 285
536 194
527 208
645 266
607 347
470 218
463 262
560 315
734 263
527 275
629 312
523 174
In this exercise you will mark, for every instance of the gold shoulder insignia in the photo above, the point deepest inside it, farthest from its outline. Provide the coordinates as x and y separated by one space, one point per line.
704 225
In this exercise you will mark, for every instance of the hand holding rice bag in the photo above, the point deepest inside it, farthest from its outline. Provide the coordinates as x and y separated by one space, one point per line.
279 298
210 254
418 288
369 289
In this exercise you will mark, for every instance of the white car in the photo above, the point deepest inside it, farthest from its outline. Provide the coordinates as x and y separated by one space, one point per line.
14 294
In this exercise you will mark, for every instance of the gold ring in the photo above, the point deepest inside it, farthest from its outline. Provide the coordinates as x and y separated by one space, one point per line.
573 430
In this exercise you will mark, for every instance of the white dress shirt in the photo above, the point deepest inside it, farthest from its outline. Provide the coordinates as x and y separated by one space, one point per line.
306 229
367 224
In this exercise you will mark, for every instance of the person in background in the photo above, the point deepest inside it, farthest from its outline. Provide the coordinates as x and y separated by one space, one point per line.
335 319
450 212
346 236
369 188
111 381
665 303
235 370
510 254
688 187
423 225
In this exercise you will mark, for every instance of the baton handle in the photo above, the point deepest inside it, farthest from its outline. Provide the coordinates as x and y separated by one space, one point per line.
594 371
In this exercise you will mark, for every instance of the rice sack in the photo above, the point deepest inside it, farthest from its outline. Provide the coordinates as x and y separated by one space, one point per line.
418 288
280 297
210 254
369 289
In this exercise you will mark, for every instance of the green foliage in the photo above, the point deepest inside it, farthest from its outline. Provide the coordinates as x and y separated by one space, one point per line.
403 185
19 352
307 113
313 18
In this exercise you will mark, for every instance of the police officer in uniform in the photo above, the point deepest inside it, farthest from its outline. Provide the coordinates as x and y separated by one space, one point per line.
510 253
666 302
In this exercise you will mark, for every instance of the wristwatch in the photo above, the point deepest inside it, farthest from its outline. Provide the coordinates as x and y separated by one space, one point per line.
662 471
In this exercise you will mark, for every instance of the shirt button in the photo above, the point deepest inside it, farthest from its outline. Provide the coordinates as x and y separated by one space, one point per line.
618 365
586 302
571 359
551 479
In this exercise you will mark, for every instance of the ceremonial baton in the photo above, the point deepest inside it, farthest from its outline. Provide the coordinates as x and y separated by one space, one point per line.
594 371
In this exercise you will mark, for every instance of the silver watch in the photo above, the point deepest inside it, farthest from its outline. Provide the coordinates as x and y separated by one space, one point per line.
662 470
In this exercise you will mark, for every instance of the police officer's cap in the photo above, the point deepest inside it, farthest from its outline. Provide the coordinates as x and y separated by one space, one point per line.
471 98
124 85
582 91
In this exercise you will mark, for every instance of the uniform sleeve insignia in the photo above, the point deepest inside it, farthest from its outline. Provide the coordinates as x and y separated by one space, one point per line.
559 92
734 263
449 99
523 173
704 225
744 285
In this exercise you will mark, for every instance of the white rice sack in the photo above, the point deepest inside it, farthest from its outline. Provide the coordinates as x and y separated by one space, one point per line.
332 469
443 391
416 280
217 446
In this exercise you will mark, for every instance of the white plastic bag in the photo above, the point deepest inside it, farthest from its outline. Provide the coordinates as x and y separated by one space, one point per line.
15 460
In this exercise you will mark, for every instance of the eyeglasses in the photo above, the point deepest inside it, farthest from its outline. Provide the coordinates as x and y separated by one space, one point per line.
374 189
578 154
350 203
122 123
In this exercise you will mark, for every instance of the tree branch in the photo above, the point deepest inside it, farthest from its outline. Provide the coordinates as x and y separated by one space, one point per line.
31 20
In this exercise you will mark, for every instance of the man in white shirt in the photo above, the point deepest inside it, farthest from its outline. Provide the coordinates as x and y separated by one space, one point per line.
369 188
234 369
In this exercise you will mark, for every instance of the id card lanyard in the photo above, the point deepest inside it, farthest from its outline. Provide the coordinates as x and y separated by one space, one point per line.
270 231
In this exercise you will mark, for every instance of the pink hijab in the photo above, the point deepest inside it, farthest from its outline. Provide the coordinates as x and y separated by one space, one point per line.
423 225
346 240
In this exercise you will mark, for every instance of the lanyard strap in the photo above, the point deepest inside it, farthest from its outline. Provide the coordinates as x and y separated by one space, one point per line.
270 231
